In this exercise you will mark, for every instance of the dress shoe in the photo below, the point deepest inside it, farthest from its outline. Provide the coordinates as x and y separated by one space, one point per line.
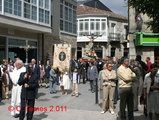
16 115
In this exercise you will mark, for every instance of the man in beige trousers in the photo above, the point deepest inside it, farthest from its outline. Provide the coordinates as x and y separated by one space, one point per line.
109 77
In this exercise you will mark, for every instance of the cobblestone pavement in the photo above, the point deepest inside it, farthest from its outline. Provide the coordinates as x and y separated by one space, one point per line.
77 108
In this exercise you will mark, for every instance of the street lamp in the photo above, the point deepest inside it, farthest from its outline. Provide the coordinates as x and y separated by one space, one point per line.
92 37
26 48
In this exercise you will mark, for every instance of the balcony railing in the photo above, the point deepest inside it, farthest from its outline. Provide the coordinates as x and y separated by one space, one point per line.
114 37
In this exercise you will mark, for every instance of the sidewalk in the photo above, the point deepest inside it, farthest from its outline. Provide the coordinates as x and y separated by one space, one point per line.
78 108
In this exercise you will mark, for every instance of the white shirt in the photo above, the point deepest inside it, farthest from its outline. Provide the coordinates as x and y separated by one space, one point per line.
16 74
74 79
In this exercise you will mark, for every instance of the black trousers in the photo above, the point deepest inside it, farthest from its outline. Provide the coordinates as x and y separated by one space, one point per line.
36 92
126 99
29 104
0 90
83 77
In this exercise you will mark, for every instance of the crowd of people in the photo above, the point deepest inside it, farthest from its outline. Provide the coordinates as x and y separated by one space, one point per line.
132 81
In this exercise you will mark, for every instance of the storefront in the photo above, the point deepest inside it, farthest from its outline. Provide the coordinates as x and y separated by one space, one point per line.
148 43
13 47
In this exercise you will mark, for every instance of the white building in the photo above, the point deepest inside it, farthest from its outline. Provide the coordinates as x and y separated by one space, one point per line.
93 17
38 23
23 22
64 27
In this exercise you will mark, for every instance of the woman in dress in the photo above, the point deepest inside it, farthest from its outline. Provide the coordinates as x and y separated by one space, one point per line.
64 82
42 72
47 73
151 92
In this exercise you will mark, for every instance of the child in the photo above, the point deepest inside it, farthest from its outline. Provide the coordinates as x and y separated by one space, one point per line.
6 80
66 82
75 83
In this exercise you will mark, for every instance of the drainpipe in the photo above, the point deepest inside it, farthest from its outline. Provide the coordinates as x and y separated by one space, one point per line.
43 47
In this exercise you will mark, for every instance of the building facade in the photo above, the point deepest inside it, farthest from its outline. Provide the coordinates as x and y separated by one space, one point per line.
23 22
93 17
38 23
138 24
64 27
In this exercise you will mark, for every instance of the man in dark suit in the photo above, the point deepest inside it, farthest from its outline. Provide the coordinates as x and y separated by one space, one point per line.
36 69
92 75
29 82
74 64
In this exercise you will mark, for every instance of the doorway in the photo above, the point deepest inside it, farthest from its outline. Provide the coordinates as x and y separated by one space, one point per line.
156 55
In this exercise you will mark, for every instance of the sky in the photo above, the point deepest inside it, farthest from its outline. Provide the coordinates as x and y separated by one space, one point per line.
117 6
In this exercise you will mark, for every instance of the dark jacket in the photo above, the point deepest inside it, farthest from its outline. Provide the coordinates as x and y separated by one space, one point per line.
4 79
28 93
36 69
92 74
79 68
47 71
73 65
83 69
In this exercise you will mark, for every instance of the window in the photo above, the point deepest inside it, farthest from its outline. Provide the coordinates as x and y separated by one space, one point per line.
89 25
28 1
61 25
66 3
47 17
86 25
61 11
41 15
34 1
17 7
74 17
81 26
74 28
66 13
112 27
34 13
70 27
66 26
47 4
8 6
29 9
97 25
61 1
92 25
26 10
68 17
41 3
103 26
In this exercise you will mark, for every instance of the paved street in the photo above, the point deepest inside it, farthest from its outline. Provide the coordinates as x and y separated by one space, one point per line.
81 108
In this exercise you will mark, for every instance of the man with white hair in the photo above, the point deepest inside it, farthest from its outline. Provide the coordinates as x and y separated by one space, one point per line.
36 70
16 91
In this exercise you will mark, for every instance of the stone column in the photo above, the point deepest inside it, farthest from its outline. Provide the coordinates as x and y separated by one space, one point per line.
132 29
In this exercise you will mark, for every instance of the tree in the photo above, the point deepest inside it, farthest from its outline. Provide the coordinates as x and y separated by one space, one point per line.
149 7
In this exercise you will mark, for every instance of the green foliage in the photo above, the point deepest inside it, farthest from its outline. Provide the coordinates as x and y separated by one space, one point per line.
149 7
